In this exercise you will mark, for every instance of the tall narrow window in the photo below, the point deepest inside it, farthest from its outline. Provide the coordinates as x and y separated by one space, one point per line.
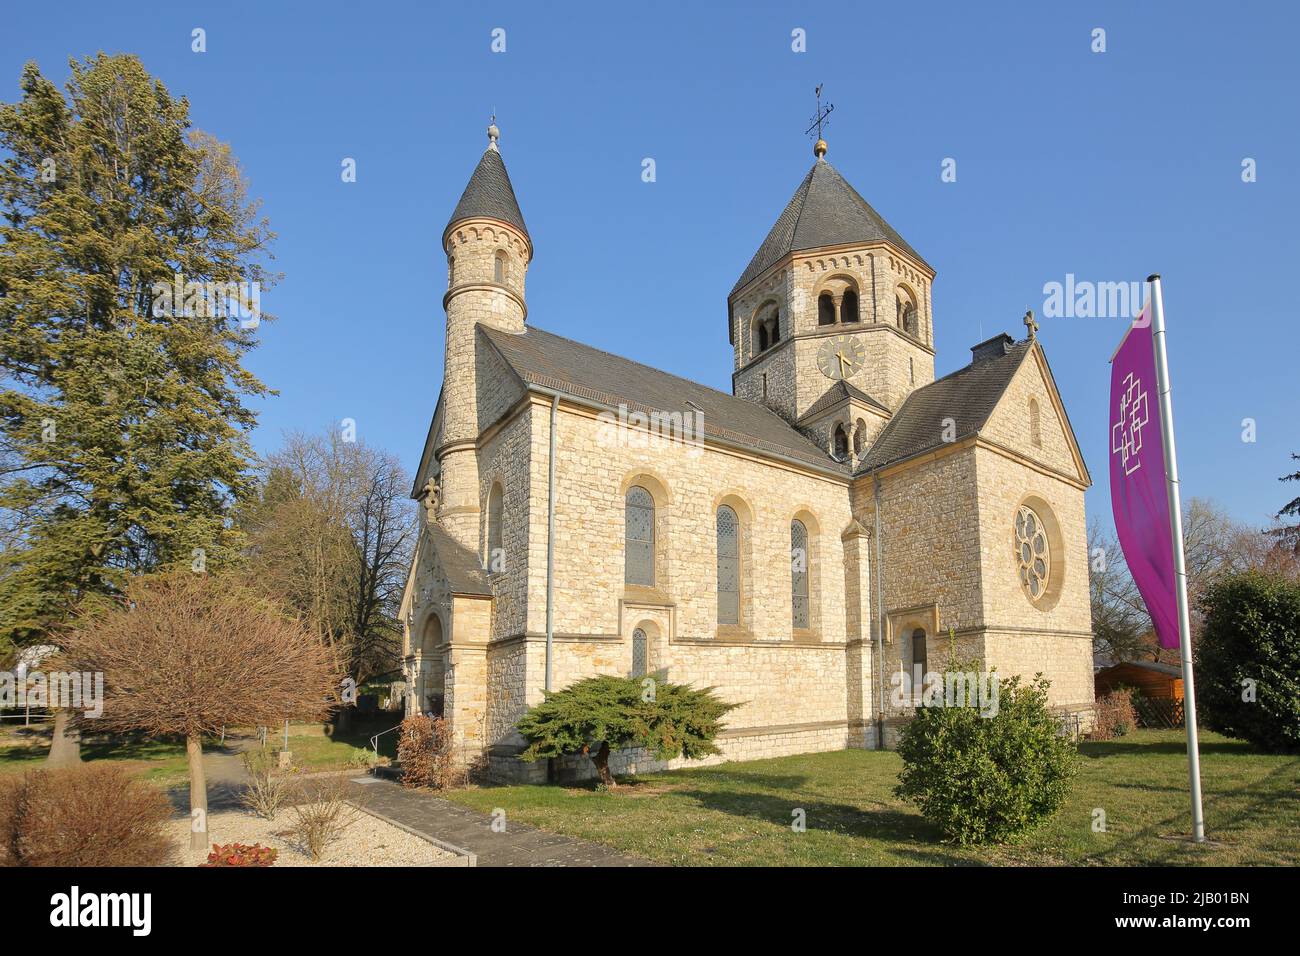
1035 424
728 566
638 653
825 309
762 336
849 306
495 559
639 538
918 663
799 575
500 267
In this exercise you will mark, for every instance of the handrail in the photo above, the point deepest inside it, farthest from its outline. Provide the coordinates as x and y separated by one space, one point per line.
374 741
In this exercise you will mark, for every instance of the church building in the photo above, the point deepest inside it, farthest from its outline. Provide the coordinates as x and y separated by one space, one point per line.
841 518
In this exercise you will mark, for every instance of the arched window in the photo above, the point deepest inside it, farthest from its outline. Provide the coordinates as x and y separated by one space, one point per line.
825 309
451 270
841 443
728 566
905 311
495 559
500 267
638 653
918 663
799 575
639 538
1035 424
849 306
859 430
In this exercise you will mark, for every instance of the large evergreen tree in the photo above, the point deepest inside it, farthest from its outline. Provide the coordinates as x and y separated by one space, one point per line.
122 423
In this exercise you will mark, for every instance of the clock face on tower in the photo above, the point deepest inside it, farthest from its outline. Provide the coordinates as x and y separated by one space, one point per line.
840 356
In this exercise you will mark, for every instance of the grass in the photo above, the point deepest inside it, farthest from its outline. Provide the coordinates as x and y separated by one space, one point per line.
741 813
315 751
159 761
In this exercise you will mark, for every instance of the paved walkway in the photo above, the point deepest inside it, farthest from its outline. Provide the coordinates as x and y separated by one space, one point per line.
518 845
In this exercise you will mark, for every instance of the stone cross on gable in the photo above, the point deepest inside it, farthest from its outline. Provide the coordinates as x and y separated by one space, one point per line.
1030 324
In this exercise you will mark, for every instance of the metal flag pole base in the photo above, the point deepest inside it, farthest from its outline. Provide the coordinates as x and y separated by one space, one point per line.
1180 561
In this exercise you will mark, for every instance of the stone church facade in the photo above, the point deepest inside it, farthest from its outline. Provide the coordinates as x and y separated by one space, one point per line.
842 517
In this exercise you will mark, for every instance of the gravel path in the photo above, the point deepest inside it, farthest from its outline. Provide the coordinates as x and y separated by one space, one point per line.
366 841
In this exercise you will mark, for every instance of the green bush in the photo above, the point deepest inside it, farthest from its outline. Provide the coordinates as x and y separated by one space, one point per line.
1251 642
986 779
599 714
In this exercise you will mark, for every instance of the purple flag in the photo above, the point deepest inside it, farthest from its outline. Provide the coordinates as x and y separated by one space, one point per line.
1139 494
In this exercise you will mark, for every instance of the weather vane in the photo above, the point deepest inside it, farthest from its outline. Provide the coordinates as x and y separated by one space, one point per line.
820 120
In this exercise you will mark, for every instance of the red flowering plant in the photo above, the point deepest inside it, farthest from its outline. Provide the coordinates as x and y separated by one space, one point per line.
241 854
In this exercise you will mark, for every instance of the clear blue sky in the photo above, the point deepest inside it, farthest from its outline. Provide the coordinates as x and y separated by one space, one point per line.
1109 166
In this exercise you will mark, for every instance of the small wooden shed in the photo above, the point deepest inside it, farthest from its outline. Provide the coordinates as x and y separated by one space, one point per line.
1157 681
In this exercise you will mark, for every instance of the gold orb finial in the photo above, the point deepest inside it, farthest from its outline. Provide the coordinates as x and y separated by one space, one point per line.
819 148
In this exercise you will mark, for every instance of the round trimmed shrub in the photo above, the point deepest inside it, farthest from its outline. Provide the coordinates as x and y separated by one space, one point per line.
985 779
1248 660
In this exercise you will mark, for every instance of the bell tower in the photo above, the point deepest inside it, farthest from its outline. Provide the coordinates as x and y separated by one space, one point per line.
488 251
834 298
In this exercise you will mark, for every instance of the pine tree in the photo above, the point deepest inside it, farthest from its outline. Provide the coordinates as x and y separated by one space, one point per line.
596 715
1290 533
122 414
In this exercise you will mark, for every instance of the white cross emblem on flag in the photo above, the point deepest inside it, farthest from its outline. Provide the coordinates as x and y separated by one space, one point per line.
1126 434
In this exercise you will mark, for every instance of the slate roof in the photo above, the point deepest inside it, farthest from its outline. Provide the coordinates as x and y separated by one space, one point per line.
489 194
824 211
550 361
968 396
465 575
837 393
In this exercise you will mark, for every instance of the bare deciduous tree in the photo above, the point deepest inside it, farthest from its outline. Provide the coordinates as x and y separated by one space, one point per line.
331 536
190 654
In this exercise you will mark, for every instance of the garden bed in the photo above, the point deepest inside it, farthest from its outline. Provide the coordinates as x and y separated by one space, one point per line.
366 840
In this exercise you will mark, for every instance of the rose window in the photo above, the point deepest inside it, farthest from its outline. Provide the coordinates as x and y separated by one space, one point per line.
1033 555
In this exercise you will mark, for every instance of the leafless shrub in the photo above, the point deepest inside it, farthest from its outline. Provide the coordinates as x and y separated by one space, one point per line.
322 816
424 750
1115 715
92 815
266 791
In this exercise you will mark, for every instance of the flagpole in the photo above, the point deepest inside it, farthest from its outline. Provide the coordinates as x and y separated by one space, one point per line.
1180 561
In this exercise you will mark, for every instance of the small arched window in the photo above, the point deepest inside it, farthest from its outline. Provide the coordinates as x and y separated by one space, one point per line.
495 559
799 575
501 267
1035 424
451 271
825 309
849 306
841 443
859 430
639 538
728 565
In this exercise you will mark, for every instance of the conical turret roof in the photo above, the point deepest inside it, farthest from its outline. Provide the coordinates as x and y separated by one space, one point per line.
489 195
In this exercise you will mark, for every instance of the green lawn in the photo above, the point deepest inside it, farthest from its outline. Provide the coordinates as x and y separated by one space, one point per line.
316 751
741 813
163 761
158 761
